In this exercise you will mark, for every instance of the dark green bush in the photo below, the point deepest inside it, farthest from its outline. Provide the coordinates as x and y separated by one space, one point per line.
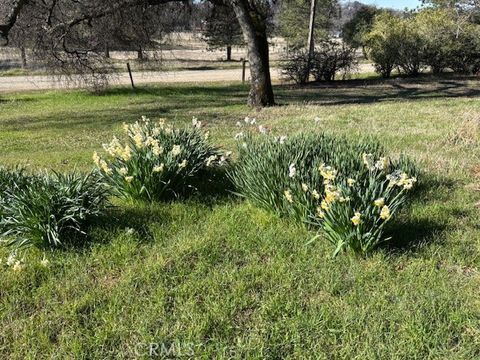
465 53
435 38
48 210
383 43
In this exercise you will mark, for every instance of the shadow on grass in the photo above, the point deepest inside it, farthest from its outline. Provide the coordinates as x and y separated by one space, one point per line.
408 233
121 103
118 104
105 228
137 217
367 91
216 91
199 68
213 187
16 101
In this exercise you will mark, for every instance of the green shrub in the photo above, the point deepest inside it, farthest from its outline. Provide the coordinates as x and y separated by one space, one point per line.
354 30
410 47
289 176
47 210
465 55
158 162
438 30
383 43
437 38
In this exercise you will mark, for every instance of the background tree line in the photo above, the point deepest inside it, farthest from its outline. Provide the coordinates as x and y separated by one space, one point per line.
444 37
76 36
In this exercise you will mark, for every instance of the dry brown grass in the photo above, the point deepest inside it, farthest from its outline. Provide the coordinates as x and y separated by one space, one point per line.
466 132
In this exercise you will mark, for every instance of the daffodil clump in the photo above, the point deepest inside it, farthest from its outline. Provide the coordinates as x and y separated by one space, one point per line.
48 209
158 162
354 208
276 171
345 187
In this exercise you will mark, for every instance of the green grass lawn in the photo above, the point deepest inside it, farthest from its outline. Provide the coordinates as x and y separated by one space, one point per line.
219 278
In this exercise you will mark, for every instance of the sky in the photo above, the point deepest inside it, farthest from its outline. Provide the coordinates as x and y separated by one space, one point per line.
395 4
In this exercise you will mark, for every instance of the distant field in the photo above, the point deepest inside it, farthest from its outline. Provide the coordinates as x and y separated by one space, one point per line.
231 279
180 51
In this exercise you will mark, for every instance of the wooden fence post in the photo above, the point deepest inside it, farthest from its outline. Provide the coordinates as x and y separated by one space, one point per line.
244 62
130 73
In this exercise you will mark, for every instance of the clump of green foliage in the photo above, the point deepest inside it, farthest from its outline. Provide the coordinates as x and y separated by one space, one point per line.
158 162
354 30
266 166
383 43
47 210
289 176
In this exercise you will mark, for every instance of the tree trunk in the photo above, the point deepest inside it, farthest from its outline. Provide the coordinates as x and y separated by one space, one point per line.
107 50
140 54
229 53
255 34
24 57
10 17
311 37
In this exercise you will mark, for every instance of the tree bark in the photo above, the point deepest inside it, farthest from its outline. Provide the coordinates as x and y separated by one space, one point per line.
311 36
255 34
229 53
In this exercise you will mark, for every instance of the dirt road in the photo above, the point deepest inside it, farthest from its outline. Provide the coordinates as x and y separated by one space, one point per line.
21 83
